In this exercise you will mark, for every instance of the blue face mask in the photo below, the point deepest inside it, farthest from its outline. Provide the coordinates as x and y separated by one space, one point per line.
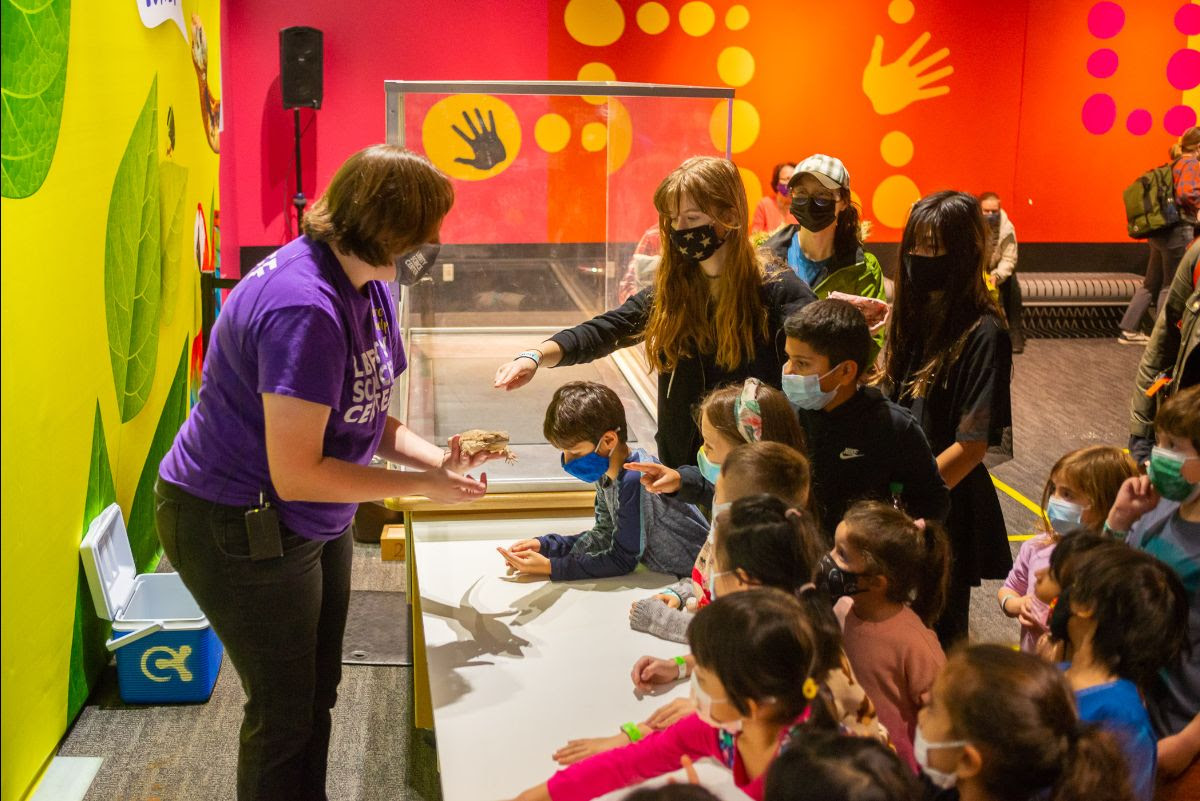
709 470
587 468
1063 515
804 391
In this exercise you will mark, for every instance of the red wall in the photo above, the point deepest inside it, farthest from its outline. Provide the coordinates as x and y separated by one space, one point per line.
1011 122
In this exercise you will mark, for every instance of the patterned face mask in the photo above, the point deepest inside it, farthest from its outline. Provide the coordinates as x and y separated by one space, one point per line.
698 243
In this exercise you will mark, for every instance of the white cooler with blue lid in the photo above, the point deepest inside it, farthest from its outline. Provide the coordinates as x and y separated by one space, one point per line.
166 650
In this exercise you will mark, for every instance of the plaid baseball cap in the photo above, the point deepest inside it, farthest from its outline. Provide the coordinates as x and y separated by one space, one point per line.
826 169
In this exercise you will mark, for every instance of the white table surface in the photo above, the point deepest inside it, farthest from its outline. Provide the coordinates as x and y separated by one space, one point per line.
518 666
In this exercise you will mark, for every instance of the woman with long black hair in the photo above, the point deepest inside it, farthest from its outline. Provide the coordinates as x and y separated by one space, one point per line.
949 361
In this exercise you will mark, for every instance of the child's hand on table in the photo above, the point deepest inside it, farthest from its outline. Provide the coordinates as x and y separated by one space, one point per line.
577 750
526 545
656 477
529 563
650 670
670 599
670 713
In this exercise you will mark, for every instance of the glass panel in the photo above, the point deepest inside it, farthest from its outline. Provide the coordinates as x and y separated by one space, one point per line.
552 196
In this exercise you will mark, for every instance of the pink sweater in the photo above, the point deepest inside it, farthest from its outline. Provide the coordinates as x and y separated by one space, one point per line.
1033 556
896 661
655 755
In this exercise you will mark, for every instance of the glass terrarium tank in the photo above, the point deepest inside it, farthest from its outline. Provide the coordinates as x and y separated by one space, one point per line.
553 223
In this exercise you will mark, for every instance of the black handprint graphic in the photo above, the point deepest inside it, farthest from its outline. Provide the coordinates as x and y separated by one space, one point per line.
486 145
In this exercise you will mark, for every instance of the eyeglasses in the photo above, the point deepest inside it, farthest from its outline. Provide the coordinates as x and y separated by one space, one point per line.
821 200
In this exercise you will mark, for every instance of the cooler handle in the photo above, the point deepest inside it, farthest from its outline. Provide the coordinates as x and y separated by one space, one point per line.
133 636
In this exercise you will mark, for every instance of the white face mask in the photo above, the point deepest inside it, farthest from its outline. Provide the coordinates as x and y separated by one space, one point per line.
712 582
921 749
704 703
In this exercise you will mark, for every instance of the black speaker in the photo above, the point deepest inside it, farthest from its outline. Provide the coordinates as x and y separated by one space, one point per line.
300 59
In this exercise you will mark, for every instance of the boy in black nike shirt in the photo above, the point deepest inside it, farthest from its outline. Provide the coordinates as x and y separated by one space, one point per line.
861 445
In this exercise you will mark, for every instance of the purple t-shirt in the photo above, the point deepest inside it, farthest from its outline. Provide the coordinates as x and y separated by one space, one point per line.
293 326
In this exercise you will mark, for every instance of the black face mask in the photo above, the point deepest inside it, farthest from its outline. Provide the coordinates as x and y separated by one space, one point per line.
412 266
1060 617
834 580
993 218
926 274
697 243
813 214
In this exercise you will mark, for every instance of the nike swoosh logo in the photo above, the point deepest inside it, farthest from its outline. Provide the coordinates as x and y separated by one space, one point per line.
850 453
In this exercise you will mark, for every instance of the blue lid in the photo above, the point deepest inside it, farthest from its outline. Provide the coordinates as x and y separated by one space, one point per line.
108 562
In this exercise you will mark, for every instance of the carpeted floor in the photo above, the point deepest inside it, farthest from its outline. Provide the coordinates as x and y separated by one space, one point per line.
1067 393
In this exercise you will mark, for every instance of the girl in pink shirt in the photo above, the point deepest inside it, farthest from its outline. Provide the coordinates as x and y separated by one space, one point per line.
1081 489
891 573
756 682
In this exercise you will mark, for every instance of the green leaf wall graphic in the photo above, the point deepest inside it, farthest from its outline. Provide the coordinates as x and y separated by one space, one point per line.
172 179
143 536
33 80
88 655
133 263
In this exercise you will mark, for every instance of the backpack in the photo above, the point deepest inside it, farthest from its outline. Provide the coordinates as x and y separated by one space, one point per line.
1150 202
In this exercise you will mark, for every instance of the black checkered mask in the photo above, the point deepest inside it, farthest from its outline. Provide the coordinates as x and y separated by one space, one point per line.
697 243
412 266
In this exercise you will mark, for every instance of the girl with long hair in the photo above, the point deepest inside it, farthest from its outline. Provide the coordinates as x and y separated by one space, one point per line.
949 361
714 315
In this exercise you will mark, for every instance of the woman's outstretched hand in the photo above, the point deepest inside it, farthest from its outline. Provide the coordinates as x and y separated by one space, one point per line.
515 374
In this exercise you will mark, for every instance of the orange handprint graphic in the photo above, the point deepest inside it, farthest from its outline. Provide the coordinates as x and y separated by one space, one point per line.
893 87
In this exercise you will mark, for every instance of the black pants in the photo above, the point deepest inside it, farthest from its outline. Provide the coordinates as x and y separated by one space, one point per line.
1166 251
1010 301
281 621
954 625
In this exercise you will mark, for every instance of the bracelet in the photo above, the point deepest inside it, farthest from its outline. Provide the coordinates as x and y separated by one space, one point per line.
1112 532
631 731
534 356
681 662
1004 604
669 591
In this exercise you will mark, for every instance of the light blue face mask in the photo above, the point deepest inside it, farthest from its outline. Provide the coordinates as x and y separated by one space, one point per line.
804 391
1063 515
709 470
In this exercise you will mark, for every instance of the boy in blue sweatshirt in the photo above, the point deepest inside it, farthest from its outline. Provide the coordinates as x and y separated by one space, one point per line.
587 422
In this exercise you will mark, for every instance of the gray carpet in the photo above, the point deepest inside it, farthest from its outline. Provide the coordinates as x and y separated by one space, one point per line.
1067 393
189 752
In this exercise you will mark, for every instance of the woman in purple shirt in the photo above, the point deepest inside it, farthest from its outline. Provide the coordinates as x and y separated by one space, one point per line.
257 494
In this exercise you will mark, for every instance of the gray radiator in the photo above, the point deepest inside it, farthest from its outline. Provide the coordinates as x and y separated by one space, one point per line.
1075 304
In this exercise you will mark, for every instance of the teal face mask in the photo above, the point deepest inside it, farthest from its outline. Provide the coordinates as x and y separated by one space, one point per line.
709 470
1166 474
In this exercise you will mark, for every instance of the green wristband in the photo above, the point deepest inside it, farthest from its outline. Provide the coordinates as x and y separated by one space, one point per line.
682 663
1112 532
632 732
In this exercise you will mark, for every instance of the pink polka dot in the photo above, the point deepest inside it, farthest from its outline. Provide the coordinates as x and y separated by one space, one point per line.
1187 19
1099 113
1183 70
1102 63
1139 122
1178 119
1105 20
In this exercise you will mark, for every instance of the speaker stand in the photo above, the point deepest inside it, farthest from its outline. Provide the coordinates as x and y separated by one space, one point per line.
298 200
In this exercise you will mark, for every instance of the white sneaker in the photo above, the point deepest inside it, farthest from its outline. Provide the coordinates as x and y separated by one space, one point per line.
1132 338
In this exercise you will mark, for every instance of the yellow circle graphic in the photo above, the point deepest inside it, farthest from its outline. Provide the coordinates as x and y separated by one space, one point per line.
596 71
552 132
653 18
753 188
487 140
620 135
594 137
745 126
596 23
894 196
737 17
696 18
735 65
896 148
901 11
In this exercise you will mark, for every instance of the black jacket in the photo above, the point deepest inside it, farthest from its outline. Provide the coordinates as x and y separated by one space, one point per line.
860 448
783 294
